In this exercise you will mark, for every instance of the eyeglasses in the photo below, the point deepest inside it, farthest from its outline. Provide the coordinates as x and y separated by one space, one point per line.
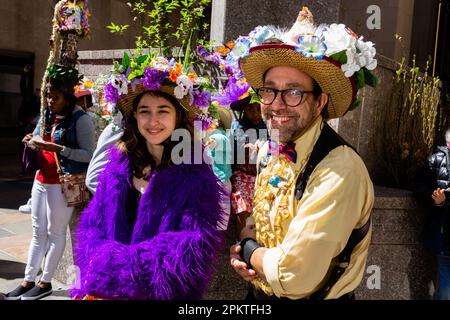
290 97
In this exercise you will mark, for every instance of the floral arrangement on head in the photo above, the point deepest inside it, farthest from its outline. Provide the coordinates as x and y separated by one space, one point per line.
334 42
153 72
83 87
101 112
236 87
73 16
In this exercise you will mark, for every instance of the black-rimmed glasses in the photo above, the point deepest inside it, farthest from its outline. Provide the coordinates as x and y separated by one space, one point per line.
290 97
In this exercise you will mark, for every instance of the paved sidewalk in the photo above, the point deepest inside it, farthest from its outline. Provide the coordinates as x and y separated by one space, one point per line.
15 236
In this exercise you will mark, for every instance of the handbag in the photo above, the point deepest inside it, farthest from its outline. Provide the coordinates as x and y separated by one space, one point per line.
73 187
30 161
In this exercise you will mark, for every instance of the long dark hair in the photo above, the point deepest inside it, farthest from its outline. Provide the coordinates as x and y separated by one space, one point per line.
134 145
69 98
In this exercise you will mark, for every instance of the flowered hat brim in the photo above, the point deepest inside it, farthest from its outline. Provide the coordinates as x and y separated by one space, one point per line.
326 72
125 102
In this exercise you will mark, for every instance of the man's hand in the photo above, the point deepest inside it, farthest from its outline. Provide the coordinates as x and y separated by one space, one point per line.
438 197
240 266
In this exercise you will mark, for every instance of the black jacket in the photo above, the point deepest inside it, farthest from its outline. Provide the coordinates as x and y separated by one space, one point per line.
437 227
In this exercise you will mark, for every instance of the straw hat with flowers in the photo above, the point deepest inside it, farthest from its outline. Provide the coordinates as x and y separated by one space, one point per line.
333 55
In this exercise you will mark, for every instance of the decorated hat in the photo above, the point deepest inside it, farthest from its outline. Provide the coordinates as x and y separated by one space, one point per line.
83 88
333 55
69 25
152 72
226 117
239 105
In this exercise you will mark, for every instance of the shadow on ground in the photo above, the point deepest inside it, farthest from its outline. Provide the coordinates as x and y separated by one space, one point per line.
10 270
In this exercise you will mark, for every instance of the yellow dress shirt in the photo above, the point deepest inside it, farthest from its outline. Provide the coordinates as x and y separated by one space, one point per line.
338 198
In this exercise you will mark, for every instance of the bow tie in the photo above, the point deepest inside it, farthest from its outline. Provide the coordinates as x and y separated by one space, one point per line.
287 149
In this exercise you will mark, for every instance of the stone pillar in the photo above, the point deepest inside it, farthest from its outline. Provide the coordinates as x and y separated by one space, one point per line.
241 17
218 21
398 267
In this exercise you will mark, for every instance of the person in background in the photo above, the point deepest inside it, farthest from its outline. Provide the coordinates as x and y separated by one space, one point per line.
433 191
109 136
219 149
248 117
68 139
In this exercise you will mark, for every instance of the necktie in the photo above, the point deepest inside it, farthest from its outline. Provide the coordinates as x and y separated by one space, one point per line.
287 149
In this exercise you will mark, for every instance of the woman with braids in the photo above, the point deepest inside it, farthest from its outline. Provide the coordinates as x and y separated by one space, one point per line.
151 230
68 138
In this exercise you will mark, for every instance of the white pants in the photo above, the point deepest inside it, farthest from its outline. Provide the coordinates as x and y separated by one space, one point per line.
50 217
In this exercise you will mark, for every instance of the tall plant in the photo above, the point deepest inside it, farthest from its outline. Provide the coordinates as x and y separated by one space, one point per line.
158 29
407 127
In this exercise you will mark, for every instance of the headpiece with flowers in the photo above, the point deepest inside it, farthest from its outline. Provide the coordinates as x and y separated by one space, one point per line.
73 16
99 111
235 88
70 24
153 72
339 60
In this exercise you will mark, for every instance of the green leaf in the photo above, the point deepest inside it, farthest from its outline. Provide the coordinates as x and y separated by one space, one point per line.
370 79
125 61
340 57
142 59
355 103
360 79
136 73
255 99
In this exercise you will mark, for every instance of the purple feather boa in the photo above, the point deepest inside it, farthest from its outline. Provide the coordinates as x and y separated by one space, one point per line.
170 250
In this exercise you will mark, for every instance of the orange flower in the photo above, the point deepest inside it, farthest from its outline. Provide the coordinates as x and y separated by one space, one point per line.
192 76
175 72
230 44
226 49
88 83
223 50
173 77
77 88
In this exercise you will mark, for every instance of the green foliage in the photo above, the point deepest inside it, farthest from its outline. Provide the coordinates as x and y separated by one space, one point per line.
158 29
114 28
67 76
408 126
340 57
255 98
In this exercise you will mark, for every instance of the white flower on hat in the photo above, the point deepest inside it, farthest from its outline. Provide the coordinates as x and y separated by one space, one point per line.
160 63
351 66
362 55
260 34
184 86
311 46
337 38
120 82
241 49
366 55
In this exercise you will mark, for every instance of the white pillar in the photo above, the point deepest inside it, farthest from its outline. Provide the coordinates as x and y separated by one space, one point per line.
218 21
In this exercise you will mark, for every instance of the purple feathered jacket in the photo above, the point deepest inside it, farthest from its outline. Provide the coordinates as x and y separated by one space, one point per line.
170 250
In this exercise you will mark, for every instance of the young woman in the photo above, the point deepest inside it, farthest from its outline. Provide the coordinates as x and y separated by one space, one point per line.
150 231
68 136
